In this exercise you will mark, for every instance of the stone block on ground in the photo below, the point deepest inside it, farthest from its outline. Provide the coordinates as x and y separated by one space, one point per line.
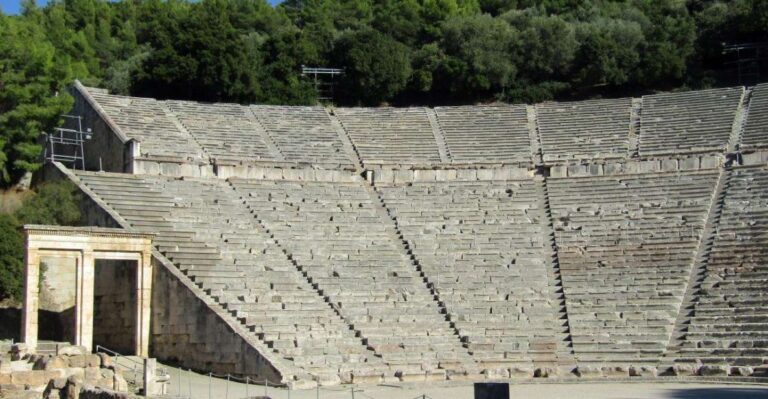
642 371
588 372
72 350
713 370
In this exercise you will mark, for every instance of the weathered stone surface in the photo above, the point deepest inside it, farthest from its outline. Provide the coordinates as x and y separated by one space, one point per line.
684 369
5 366
545 372
119 383
616 371
51 363
73 350
496 373
711 370
106 360
38 378
588 372
642 371
742 371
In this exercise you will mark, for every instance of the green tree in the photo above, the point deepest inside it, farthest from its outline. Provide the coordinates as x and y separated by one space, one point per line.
55 203
32 95
480 56
608 52
377 66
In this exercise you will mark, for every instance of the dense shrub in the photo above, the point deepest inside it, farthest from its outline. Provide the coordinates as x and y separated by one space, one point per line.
54 203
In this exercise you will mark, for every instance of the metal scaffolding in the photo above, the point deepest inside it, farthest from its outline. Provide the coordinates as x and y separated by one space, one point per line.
67 145
324 80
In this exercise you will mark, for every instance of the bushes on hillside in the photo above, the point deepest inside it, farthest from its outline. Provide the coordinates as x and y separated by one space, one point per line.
54 203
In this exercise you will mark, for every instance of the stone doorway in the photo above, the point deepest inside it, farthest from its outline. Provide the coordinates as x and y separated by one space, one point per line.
120 293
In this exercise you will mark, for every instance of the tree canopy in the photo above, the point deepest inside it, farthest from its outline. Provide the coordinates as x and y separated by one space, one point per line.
393 51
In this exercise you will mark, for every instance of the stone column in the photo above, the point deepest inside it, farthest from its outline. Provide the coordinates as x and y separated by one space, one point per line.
143 303
86 271
31 297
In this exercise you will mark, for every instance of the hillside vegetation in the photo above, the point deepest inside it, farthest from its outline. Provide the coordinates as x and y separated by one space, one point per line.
396 51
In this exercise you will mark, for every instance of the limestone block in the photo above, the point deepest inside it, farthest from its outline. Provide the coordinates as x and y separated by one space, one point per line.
5 366
58 383
106 360
642 371
88 392
521 372
578 170
186 169
466 174
106 380
558 171
596 169
170 169
649 166
403 176
410 375
328 379
760 371
290 174
669 165
92 360
689 164
19 393
273 174
147 167
5 379
710 162
207 171
711 370
684 369
501 174
544 372
301 384
119 383
366 377
306 174
484 174
754 158
51 363
72 350
461 375
496 373
92 375
742 371
324 175
37 378
435 375
588 372
52 394
78 361
424 175
614 168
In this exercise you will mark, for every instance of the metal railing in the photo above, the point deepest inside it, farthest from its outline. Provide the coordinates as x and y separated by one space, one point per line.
135 368
188 384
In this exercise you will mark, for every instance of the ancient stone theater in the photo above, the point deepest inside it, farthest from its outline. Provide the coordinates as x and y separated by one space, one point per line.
324 245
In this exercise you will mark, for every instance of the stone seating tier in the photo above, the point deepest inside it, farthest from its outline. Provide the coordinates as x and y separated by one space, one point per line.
669 125
700 121
730 319
625 246
150 122
483 248
482 134
755 133
585 129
